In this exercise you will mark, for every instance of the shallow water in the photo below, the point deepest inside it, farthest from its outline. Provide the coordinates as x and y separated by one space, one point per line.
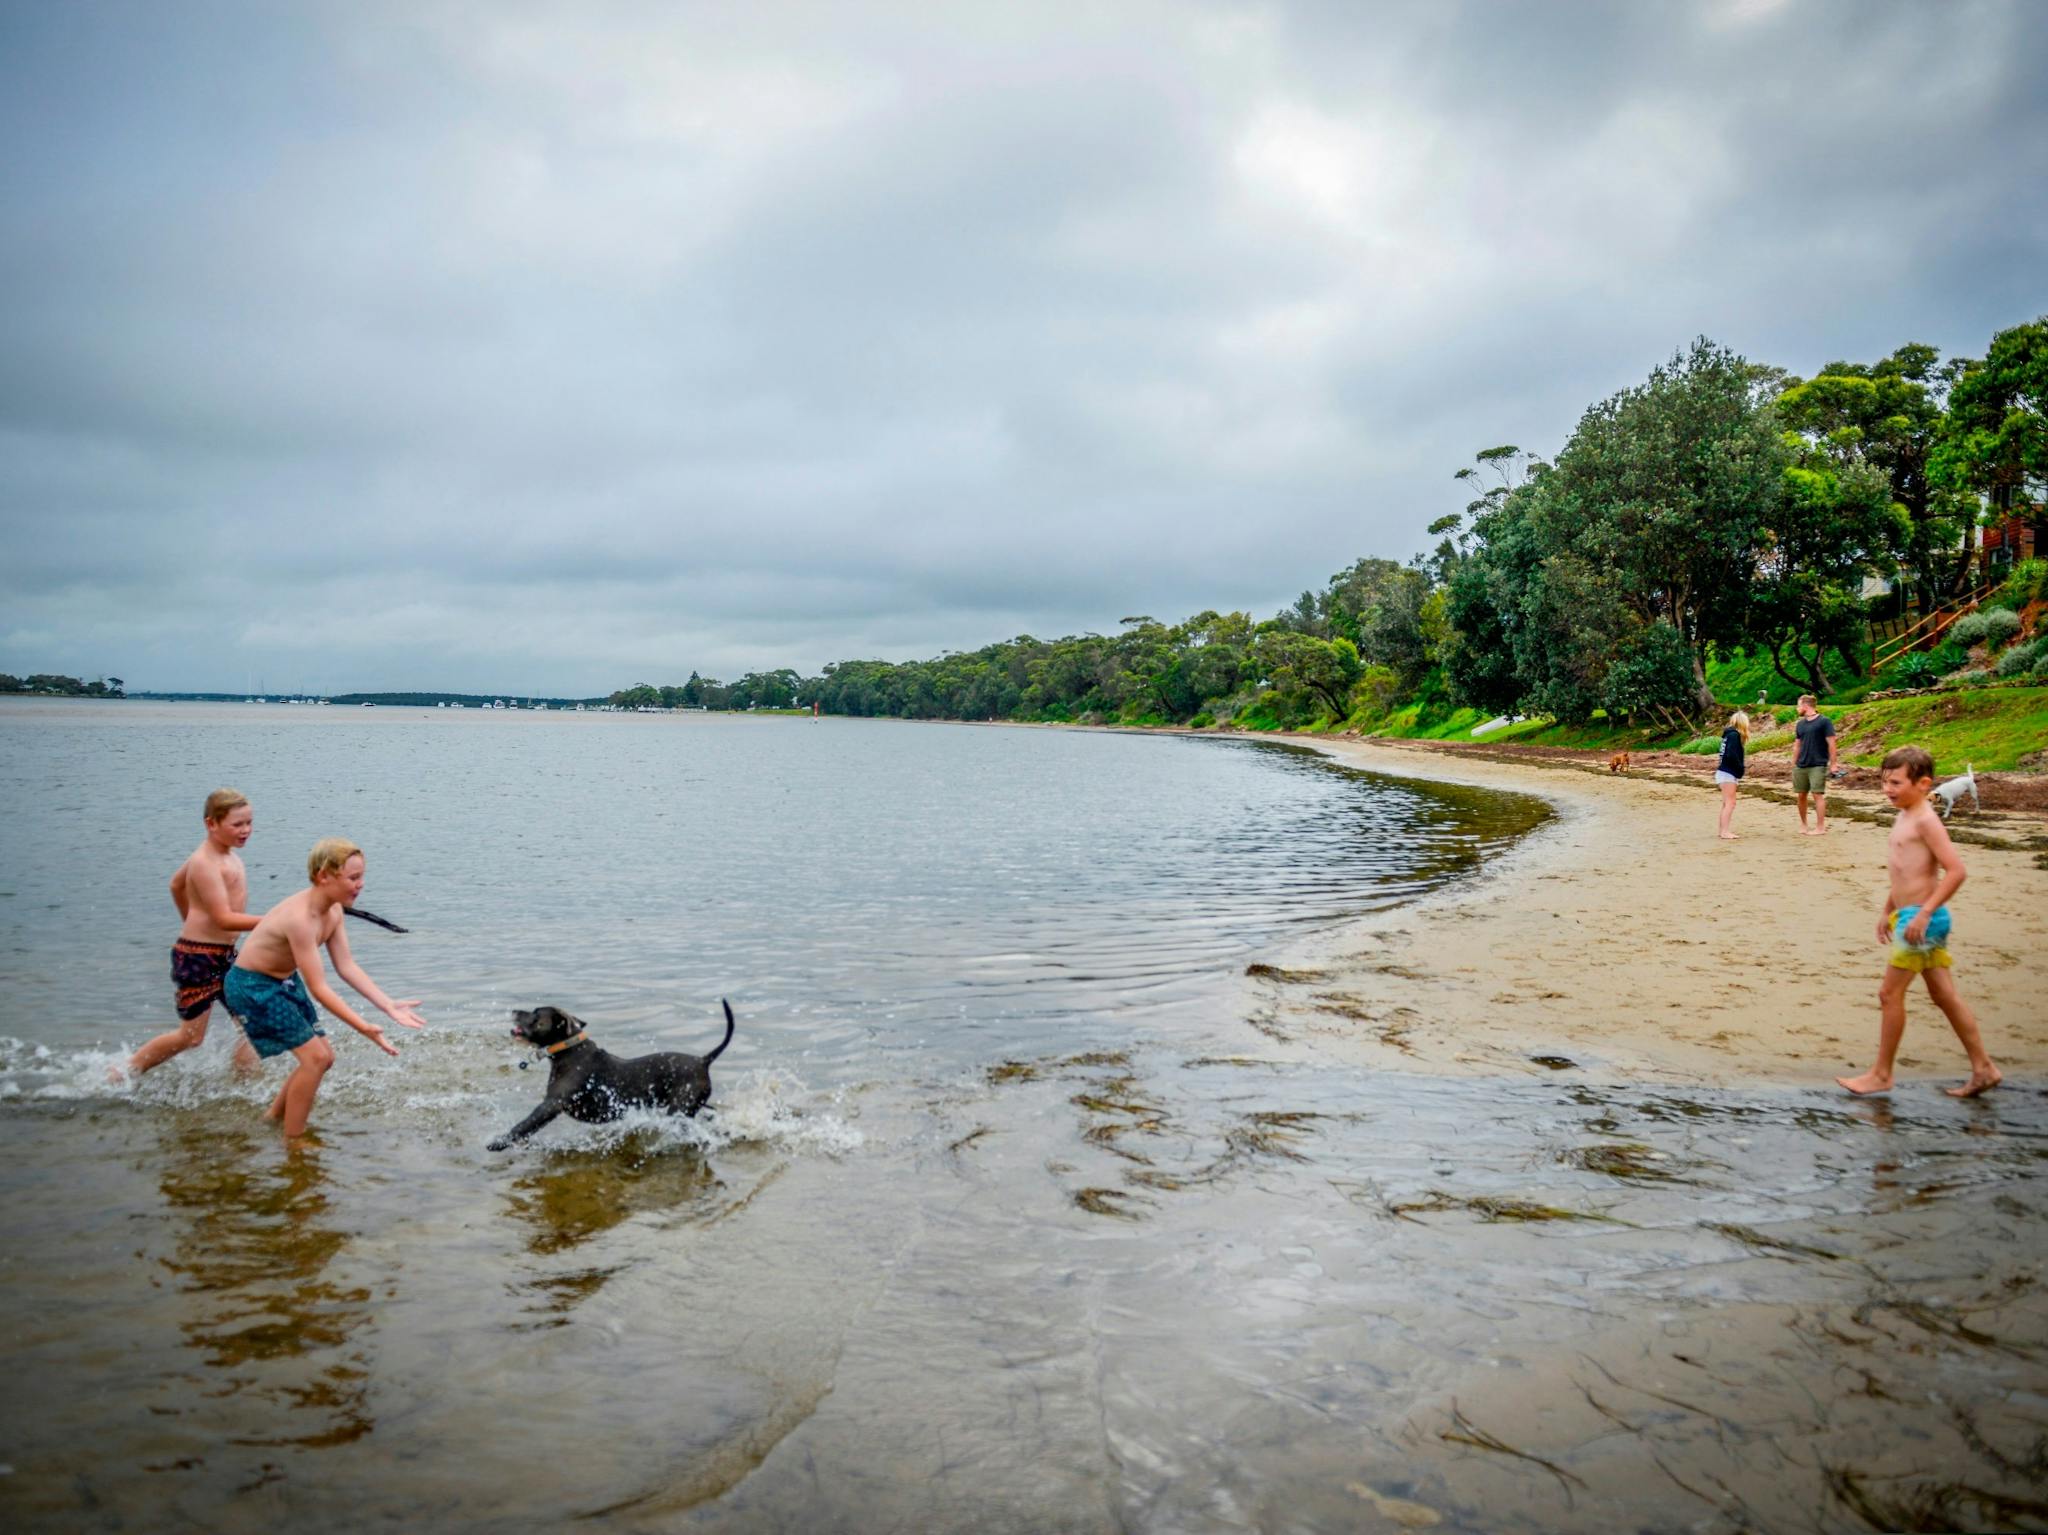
1008 1215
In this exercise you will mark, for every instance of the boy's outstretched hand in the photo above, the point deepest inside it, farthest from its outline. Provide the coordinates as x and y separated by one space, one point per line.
402 1012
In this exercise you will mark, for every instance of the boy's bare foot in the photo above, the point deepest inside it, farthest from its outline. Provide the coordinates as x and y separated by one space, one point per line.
1729 836
1870 1082
1821 831
1980 1082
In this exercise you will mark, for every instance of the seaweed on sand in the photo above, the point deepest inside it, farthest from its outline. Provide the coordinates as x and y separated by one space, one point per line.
1287 977
1392 1024
2034 1468
1172 1183
1932 1505
970 1138
1771 1246
1631 1161
1108 1135
1464 1431
1940 1321
1494 1207
1116 1097
1031 1071
1273 1133
1111 1202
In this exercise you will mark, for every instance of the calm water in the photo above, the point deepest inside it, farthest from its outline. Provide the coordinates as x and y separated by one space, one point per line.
1009 1215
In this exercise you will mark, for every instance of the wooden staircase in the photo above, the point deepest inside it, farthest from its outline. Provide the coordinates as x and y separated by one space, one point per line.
1926 633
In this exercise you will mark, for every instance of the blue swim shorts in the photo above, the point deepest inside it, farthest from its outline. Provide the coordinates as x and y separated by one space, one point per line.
276 1015
1932 951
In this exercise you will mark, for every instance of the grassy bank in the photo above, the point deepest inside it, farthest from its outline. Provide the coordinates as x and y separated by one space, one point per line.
1996 729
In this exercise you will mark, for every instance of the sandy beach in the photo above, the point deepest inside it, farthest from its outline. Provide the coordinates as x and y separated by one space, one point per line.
1626 938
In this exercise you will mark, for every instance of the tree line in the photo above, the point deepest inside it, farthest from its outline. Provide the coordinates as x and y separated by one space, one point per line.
1721 507
62 687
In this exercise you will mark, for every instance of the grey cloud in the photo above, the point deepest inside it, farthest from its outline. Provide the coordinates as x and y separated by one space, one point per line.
353 338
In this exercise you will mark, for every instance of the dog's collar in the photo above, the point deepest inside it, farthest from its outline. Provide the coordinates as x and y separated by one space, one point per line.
565 1044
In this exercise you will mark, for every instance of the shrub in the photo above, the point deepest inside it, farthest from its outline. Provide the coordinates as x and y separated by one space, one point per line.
1202 721
1947 656
1986 626
1972 677
2041 663
1918 670
2027 583
2018 660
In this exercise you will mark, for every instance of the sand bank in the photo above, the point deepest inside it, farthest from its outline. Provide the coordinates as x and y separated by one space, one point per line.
1626 938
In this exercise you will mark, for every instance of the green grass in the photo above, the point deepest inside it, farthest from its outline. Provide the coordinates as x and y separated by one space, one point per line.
1990 728
1740 677
1996 729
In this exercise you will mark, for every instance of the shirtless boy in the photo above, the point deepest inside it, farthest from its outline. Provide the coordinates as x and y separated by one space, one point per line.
211 890
265 990
1925 872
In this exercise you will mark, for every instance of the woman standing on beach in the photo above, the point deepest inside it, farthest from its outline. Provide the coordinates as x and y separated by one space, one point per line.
1728 771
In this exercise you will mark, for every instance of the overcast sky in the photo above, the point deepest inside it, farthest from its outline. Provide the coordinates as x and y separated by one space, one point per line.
503 347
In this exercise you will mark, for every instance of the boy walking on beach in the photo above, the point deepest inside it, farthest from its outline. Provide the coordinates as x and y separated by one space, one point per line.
211 890
1925 872
1812 762
264 988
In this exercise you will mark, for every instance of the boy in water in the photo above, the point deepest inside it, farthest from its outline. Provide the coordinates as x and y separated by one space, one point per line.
264 988
211 890
1925 872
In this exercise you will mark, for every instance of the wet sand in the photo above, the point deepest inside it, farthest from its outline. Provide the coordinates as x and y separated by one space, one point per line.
1628 939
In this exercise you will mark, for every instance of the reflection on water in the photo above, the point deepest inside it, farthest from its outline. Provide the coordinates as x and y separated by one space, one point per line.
255 1251
575 1195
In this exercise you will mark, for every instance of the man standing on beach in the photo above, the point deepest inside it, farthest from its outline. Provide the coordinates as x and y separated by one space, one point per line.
1813 761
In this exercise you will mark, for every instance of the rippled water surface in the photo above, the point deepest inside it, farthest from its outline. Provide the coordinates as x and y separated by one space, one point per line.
1011 1213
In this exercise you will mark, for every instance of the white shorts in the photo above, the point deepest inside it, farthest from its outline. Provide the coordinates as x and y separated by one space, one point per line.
1721 777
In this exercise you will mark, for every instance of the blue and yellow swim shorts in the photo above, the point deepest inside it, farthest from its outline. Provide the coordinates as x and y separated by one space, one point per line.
1931 953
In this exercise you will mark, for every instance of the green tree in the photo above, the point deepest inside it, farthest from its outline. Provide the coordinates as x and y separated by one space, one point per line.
1302 664
1888 416
1994 442
1666 493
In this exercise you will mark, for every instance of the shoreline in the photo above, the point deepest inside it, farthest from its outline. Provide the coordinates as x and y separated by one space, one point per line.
1625 939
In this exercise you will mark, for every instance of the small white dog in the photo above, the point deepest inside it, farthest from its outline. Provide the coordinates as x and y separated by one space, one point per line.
1948 793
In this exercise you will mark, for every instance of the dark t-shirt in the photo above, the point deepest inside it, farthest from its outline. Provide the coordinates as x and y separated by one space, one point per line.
1813 741
1731 753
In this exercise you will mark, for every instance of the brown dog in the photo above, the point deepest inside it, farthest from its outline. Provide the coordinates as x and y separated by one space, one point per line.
1618 763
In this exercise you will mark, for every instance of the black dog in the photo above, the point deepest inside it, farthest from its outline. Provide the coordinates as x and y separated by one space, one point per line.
593 1085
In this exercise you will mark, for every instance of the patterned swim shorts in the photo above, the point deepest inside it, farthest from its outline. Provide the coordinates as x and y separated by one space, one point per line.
198 970
276 1015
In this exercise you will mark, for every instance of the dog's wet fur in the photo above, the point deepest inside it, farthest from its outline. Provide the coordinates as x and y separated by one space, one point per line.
593 1085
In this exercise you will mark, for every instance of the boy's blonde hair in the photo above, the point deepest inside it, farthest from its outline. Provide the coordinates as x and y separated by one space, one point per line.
1918 761
1739 723
328 856
222 801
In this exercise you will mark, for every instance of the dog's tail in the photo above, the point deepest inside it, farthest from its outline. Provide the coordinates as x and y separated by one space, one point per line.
714 1055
